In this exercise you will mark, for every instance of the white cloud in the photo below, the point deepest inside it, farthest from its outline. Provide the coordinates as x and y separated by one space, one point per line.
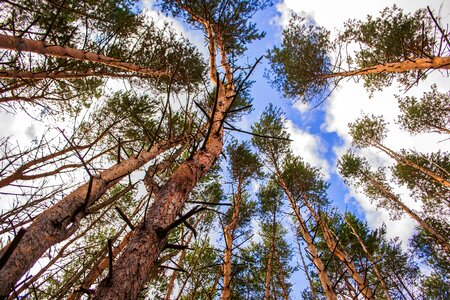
308 146
351 100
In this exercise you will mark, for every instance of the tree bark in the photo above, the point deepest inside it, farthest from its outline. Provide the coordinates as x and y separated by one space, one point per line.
342 255
372 260
60 221
422 223
397 67
323 276
131 269
229 239
39 47
68 75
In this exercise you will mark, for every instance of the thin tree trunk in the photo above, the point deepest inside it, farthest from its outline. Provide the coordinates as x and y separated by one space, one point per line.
174 275
323 276
397 67
402 160
305 268
430 230
39 47
270 259
60 221
342 255
229 239
372 260
69 75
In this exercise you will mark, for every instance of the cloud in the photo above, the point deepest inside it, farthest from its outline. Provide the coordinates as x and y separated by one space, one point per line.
351 100
308 146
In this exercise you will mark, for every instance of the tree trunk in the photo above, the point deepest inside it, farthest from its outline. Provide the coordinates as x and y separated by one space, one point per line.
27 45
402 160
131 270
372 260
323 276
60 221
229 239
311 286
397 67
430 230
69 75
342 255
174 275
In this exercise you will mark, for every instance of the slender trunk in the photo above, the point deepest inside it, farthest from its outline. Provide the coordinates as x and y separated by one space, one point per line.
372 260
27 45
397 67
271 254
323 276
402 160
229 239
69 75
342 255
60 221
174 275
305 268
281 279
430 230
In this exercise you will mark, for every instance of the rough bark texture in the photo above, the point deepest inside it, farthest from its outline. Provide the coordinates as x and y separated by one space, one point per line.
133 266
323 276
397 67
229 238
27 45
60 221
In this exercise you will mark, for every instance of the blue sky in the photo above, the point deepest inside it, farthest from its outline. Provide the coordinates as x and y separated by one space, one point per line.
321 135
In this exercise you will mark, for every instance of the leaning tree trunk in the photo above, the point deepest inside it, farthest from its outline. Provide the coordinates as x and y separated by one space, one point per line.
323 276
342 255
60 221
40 47
441 240
69 75
397 67
371 258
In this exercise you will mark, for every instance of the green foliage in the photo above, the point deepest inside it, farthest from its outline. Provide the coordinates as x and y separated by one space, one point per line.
368 131
271 124
230 17
303 57
392 37
356 171
430 114
244 165
422 187
436 287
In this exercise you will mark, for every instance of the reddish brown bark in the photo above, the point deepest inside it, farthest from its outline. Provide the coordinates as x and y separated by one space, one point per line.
229 239
397 67
27 45
60 221
323 276
341 254
372 260
422 223
132 268
13 74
